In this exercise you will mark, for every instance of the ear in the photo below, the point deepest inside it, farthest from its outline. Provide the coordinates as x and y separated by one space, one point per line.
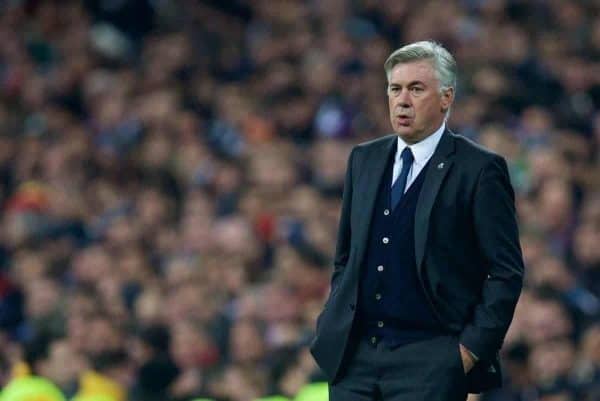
447 97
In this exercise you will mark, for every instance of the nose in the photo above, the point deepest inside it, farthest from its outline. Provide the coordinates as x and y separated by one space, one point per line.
403 98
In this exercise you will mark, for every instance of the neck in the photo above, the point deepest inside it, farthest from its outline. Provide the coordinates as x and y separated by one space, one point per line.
412 141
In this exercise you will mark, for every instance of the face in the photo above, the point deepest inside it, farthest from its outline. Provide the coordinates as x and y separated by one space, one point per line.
417 108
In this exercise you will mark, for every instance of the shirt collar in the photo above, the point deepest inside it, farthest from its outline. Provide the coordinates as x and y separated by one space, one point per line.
422 150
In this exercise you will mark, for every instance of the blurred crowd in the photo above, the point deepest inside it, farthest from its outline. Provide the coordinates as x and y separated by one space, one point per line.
171 176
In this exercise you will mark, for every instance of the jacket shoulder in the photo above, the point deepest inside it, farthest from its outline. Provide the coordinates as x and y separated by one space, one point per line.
475 152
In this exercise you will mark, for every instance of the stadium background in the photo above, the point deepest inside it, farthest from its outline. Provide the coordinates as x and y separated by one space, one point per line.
171 173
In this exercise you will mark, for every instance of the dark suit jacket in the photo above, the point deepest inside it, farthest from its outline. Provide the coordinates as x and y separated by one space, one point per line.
467 250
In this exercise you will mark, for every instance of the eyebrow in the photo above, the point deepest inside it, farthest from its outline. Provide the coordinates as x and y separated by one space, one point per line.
412 83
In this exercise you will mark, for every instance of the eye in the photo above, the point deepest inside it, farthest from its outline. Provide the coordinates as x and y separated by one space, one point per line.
394 89
416 89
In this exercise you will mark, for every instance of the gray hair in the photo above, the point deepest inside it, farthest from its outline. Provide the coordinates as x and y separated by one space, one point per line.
442 61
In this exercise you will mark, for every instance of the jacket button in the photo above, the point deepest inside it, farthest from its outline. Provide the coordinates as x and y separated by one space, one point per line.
352 306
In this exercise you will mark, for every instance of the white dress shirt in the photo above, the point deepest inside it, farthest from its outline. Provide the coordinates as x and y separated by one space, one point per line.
422 152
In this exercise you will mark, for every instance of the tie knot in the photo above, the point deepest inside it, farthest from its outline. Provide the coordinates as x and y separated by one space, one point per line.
407 156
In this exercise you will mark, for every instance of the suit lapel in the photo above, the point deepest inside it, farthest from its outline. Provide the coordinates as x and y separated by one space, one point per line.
368 182
439 166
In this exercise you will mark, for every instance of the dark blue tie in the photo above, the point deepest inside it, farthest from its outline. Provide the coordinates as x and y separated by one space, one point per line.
398 187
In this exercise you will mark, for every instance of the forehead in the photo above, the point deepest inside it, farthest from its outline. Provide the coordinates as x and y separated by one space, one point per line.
405 73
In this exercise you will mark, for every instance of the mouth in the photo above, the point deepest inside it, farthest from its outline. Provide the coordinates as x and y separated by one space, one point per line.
403 120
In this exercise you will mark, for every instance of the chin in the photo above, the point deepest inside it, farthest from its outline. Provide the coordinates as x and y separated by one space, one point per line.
405 133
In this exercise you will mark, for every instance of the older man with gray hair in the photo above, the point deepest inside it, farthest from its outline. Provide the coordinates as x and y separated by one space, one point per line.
428 267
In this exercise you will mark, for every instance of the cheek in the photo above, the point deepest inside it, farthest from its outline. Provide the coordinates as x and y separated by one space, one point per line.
427 108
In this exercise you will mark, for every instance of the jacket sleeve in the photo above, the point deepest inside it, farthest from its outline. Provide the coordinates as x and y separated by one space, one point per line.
342 249
495 223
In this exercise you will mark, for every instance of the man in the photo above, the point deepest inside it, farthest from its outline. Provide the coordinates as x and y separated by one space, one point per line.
428 266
